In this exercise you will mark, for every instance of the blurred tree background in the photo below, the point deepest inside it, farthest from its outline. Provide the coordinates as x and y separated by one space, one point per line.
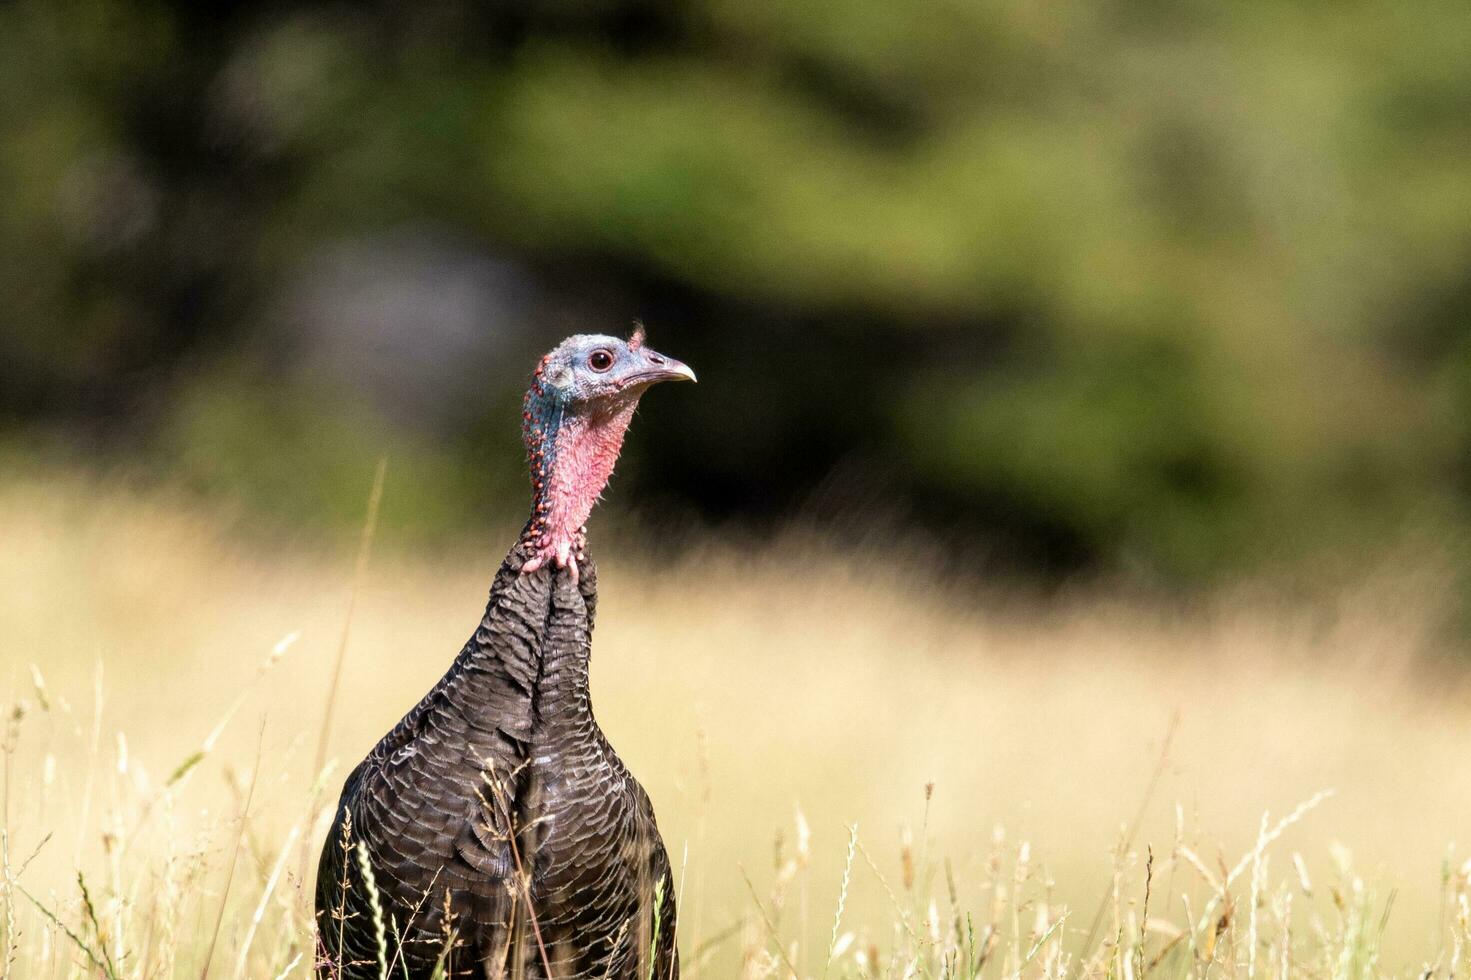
1173 288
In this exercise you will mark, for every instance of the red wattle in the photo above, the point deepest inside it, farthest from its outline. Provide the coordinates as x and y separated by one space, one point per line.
584 450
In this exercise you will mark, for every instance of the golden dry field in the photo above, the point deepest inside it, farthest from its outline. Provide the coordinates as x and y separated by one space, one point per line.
1302 777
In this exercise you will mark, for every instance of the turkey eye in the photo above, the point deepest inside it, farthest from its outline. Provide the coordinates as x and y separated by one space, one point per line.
600 360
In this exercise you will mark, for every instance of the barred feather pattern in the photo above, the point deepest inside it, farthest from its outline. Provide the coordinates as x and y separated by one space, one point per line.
506 837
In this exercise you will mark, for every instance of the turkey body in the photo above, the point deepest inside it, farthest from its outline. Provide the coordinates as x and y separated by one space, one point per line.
504 836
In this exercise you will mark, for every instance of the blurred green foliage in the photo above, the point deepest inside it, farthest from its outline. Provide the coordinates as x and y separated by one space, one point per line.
1178 286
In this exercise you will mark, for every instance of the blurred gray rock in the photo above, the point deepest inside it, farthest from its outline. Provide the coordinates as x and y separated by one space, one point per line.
418 324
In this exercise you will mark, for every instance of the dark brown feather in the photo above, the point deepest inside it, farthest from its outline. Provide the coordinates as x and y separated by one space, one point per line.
496 814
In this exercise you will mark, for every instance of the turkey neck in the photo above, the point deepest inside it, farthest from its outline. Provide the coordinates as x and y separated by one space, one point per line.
524 671
562 698
571 449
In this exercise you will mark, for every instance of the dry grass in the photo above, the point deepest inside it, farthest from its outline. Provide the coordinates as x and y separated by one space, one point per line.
788 700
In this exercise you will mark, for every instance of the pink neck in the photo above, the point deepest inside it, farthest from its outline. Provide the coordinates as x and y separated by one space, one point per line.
584 450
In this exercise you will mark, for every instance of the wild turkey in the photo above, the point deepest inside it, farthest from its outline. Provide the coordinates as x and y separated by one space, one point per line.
504 836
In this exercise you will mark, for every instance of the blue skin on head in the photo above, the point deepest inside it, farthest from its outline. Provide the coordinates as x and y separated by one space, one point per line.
587 368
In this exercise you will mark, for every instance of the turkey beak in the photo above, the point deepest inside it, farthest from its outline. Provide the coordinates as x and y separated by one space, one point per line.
660 368
678 371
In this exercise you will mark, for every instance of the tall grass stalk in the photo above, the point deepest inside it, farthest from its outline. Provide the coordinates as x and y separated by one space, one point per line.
832 943
360 567
375 908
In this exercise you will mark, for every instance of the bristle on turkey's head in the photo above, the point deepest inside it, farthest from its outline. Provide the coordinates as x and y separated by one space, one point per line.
576 411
